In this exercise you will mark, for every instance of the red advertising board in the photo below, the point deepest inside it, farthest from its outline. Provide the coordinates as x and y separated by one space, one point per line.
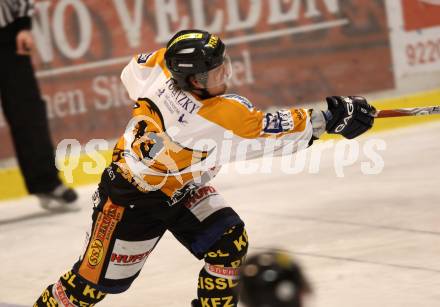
420 14
283 53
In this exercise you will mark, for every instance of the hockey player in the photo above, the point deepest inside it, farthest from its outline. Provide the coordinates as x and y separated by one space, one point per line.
272 279
174 144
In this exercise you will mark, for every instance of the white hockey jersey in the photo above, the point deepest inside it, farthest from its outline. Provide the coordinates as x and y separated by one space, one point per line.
176 139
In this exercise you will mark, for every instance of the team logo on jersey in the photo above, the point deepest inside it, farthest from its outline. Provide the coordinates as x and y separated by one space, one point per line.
143 57
281 121
240 99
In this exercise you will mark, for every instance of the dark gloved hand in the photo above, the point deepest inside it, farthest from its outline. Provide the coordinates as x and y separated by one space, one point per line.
349 116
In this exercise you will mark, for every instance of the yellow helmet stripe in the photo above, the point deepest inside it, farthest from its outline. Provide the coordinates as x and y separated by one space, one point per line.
186 36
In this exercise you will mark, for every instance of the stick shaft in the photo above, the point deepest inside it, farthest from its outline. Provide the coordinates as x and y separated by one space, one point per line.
407 112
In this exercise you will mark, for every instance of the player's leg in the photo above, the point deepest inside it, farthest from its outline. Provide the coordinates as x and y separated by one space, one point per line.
121 239
212 231
219 277
70 290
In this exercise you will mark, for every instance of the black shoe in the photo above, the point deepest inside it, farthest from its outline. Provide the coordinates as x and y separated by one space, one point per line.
61 198
196 303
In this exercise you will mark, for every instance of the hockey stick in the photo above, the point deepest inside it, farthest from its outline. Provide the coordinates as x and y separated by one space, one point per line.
407 112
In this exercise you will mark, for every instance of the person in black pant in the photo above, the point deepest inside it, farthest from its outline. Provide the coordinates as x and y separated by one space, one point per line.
24 109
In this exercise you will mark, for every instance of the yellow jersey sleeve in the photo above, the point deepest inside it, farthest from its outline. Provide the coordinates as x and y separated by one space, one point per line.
237 114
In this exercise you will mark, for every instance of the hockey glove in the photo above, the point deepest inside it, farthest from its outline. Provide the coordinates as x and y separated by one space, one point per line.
349 116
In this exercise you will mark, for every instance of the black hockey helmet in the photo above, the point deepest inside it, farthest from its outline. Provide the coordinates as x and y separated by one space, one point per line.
272 279
191 52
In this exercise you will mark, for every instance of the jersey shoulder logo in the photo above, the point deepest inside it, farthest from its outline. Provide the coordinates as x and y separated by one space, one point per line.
240 99
143 57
